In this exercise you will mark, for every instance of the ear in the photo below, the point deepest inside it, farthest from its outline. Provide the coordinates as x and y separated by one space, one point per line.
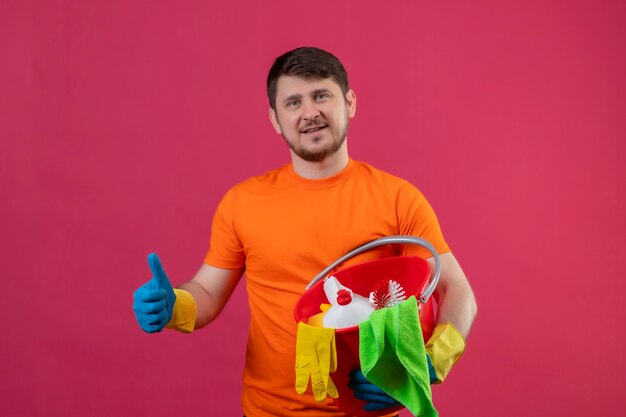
351 102
274 120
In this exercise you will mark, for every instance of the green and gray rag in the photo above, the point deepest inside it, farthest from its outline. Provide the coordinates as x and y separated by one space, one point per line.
393 357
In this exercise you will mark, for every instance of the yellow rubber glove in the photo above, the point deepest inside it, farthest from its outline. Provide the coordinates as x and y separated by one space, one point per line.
445 347
317 320
184 314
316 357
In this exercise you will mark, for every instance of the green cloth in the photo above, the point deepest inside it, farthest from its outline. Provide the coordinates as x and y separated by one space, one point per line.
393 357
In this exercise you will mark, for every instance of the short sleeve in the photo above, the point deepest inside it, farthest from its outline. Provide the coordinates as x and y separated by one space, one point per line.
416 217
226 250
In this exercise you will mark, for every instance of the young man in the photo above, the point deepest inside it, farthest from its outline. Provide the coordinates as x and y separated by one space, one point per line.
284 227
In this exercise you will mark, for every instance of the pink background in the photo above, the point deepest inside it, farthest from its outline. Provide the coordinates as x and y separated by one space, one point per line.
122 123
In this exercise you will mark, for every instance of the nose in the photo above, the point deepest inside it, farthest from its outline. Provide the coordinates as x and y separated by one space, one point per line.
310 110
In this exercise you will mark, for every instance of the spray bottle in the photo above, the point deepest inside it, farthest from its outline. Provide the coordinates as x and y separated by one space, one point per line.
347 308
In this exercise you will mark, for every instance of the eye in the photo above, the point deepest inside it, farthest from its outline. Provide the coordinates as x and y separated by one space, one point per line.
292 103
322 96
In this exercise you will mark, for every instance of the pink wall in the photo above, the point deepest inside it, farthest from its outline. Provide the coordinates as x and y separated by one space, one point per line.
123 122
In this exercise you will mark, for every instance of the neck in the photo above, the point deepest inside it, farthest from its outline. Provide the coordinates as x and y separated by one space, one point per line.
329 167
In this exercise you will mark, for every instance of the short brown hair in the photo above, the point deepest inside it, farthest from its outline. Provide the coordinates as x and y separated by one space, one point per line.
306 62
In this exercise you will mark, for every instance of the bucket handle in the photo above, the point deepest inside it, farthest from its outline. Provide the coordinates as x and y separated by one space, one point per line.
386 241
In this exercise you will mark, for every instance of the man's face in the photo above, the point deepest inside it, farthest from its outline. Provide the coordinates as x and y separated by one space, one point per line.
312 115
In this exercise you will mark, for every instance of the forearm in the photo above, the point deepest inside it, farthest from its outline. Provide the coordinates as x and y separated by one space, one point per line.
206 310
455 298
211 288
458 306
456 313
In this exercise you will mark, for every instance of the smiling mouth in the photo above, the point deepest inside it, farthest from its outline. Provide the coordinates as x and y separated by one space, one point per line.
313 129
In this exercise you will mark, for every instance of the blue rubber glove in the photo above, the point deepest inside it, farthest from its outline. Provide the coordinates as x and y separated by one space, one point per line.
374 397
431 370
154 301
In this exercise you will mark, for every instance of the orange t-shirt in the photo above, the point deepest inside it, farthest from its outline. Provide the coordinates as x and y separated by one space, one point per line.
285 230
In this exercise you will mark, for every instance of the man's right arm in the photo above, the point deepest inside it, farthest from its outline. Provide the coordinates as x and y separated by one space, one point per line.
211 288
193 305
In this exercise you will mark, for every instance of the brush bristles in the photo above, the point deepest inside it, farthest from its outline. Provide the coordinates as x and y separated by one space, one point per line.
387 293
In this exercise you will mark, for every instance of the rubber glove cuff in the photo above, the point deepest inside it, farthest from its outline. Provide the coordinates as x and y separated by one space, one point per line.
444 348
184 312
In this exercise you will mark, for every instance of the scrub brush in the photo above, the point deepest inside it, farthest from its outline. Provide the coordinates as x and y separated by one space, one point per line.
387 293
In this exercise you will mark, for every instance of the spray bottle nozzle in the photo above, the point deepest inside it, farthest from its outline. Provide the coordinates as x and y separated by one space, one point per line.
344 297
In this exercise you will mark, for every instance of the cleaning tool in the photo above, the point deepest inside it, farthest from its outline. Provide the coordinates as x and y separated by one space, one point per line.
154 301
316 358
410 272
387 293
393 357
431 370
317 320
157 304
348 309
444 348
184 313
374 397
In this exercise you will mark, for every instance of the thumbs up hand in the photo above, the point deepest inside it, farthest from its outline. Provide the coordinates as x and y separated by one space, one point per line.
154 301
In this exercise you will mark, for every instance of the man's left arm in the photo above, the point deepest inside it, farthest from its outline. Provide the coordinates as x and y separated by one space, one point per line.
456 312
455 298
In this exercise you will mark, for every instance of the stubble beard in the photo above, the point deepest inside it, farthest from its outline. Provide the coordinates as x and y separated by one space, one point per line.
321 154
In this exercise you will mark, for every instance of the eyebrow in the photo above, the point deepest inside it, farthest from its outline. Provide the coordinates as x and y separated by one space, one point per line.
321 90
